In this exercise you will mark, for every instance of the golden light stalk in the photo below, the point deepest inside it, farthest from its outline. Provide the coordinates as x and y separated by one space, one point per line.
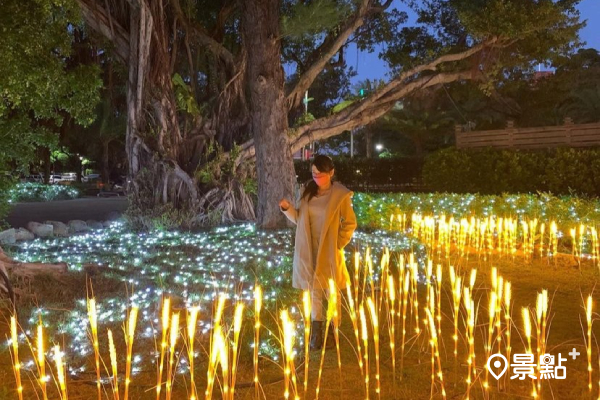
488 348
527 325
257 308
541 310
223 349
217 348
237 328
354 319
213 360
499 302
391 298
438 316
436 351
333 315
173 336
472 280
93 318
365 338
289 334
375 323
405 288
113 362
414 295
15 352
129 337
588 314
456 296
431 327
165 320
192 319
507 318
384 268
356 274
60 372
470 308
41 359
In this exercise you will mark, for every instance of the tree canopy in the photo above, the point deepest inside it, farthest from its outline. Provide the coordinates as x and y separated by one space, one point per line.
208 102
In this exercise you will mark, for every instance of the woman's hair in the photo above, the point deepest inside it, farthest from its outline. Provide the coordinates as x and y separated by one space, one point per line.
323 164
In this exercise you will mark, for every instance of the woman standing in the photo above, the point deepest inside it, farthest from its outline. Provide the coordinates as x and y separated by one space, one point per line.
325 222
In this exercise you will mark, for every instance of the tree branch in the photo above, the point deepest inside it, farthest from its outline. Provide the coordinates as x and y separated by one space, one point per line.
360 114
203 37
99 19
381 101
329 47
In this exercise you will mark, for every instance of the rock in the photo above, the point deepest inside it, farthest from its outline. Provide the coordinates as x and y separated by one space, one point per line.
24 234
40 230
77 225
60 228
113 216
8 236
94 224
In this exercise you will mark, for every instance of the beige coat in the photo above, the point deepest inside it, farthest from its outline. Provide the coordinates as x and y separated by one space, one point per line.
339 225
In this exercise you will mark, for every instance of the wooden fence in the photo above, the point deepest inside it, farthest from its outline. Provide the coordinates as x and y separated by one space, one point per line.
567 135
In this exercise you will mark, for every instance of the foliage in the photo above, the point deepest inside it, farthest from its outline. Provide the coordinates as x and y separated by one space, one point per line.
39 80
312 18
561 171
304 119
185 97
30 191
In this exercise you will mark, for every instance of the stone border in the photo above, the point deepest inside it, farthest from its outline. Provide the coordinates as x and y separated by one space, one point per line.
54 229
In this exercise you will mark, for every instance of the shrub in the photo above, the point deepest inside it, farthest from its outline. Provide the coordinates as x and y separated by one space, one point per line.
24 192
365 173
561 171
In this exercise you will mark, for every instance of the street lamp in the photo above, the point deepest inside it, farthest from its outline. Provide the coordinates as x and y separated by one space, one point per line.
379 147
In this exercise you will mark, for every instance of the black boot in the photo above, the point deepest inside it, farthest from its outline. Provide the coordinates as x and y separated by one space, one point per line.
330 337
316 335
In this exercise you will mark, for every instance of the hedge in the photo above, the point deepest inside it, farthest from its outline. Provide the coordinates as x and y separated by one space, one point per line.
366 173
31 192
560 171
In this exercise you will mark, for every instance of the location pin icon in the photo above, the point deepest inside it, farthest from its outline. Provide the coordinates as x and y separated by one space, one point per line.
495 366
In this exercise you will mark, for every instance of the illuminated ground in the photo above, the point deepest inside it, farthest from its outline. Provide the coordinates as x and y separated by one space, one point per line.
193 268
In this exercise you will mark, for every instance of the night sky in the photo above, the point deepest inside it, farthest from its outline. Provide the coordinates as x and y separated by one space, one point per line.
371 67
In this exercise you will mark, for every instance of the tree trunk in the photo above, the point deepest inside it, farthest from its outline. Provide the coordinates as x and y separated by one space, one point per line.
105 171
47 165
418 142
369 141
267 107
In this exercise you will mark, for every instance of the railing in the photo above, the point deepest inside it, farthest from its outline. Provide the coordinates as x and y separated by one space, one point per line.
569 135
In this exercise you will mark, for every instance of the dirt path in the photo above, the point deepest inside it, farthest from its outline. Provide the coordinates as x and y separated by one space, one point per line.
95 208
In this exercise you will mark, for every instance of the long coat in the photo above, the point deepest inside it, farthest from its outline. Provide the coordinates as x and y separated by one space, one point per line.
338 227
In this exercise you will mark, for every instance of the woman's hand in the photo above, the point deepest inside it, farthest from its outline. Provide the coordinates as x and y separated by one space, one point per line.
284 204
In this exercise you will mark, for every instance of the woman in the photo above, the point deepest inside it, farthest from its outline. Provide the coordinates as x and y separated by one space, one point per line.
325 222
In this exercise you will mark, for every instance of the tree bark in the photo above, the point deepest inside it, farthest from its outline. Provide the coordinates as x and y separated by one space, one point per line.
47 165
369 141
268 111
105 169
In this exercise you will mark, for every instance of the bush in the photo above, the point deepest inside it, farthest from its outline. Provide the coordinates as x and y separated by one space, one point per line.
366 173
23 192
560 171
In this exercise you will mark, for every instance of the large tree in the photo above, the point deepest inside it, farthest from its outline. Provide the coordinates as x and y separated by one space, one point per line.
43 81
207 97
